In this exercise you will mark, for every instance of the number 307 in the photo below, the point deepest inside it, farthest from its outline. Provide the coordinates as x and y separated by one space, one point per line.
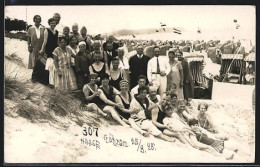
89 131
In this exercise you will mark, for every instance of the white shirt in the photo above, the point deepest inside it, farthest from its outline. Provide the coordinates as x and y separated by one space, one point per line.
158 98
136 105
135 90
124 64
140 56
59 28
152 66
37 30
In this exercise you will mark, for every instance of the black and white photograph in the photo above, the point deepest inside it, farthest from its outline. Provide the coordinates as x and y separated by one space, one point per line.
129 83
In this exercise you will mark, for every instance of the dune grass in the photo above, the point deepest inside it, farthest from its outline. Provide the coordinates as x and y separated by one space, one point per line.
33 113
15 58
14 89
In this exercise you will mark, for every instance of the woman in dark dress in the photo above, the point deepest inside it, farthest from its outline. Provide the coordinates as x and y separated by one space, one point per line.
98 66
49 44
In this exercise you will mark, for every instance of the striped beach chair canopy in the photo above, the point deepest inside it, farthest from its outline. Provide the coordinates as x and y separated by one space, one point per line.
231 63
233 56
196 64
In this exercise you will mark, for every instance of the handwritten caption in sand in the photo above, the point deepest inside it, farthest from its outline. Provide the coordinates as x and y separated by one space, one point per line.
140 146
89 131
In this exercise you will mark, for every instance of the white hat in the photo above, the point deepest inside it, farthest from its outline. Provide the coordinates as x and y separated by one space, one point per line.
82 43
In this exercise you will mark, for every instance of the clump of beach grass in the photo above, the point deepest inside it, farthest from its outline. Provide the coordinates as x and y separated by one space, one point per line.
14 89
32 112
15 58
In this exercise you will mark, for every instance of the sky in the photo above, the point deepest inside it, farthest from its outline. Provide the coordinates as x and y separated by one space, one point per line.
104 19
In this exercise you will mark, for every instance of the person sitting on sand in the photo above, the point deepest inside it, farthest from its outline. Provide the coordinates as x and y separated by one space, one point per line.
182 112
206 122
91 94
141 121
103 97
124 98
153 96
141 81
204 142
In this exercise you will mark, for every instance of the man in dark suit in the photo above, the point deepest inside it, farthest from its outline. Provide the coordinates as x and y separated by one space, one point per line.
109 54
110 40
188 83
138 66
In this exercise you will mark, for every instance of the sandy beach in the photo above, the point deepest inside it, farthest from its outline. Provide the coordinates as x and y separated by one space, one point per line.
64 141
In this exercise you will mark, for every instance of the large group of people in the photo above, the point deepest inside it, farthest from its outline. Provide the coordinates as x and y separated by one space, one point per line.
150 95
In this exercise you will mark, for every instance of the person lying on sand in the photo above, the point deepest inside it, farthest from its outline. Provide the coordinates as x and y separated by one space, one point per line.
176 124
203 142
182 111
159 115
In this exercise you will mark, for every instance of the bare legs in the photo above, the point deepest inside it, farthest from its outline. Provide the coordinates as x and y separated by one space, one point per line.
111 110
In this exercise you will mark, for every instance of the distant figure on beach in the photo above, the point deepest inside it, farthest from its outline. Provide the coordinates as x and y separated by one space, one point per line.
35 40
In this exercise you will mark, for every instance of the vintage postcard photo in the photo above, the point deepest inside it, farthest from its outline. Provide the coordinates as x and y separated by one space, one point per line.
129 84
